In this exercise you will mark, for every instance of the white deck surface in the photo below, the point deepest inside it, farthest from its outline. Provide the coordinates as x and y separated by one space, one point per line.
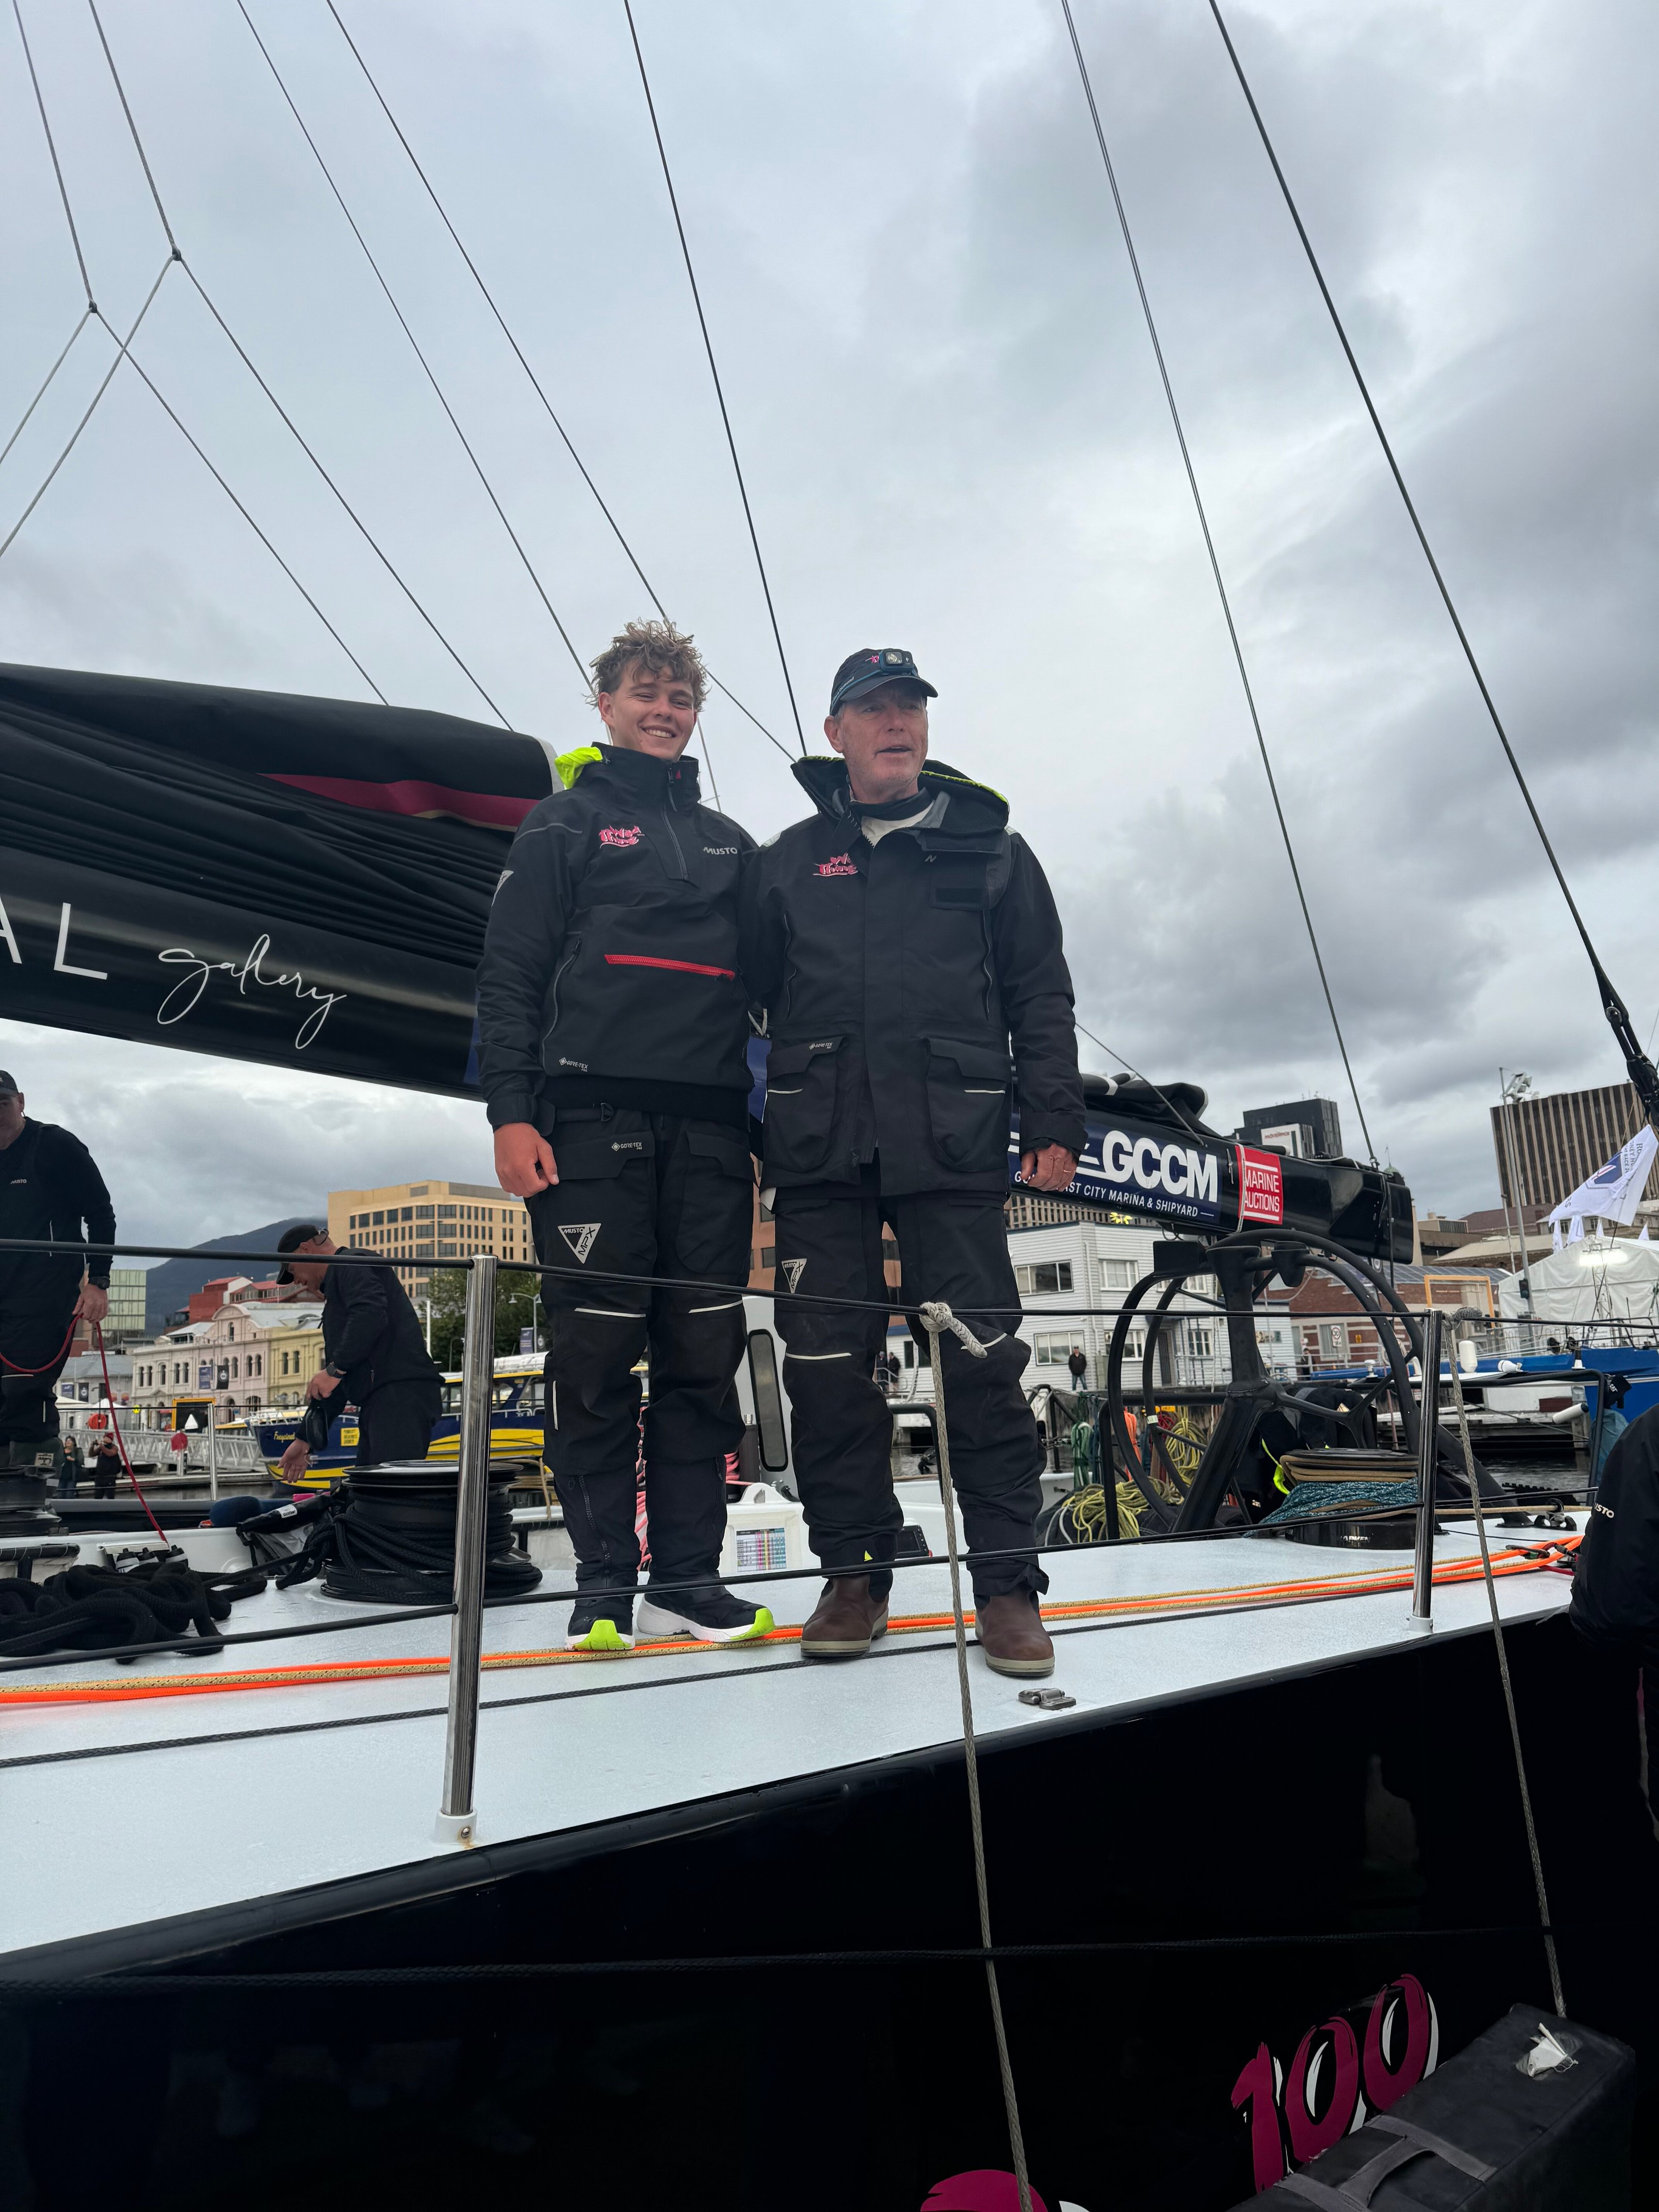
116 1816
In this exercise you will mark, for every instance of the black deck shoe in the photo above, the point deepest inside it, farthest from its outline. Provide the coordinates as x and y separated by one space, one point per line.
709 1613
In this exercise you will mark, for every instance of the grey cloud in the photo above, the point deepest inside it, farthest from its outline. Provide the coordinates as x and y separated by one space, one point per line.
954 438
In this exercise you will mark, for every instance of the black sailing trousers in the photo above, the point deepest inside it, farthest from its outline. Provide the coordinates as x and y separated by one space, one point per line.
34 1319
952 1247
643 1194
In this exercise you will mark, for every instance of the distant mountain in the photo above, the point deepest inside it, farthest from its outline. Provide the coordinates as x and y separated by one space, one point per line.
166 1287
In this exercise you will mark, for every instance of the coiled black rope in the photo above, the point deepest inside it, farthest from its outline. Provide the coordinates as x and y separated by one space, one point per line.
389 1539
159 1602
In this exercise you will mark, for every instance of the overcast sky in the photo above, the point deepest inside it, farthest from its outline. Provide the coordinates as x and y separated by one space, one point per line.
954 439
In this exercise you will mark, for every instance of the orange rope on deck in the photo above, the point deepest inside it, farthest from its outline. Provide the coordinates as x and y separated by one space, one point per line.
109 1690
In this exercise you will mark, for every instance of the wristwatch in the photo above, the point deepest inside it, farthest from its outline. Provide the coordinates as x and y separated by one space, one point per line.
338 1373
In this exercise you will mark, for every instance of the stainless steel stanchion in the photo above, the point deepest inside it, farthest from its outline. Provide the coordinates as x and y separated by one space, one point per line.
457 1823
1422 1616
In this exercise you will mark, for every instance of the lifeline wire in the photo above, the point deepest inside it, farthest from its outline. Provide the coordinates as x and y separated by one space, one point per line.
1215 570
535 382
403 324
1557 1996
934 1318
288 420
1644 1079
708 348
125 1983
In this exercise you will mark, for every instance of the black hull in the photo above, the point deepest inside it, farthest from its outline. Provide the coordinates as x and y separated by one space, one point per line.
1375 1803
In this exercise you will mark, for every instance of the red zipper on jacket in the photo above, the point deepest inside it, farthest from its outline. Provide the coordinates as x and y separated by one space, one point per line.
679 967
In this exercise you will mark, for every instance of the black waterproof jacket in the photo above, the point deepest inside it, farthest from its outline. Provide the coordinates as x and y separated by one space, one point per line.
371 1332
1615 1583
50 1186
916 992
612 949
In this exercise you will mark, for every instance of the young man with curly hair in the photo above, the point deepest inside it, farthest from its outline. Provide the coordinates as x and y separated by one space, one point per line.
612 1050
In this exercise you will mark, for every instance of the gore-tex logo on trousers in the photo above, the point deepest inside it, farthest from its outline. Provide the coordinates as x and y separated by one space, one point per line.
579 1236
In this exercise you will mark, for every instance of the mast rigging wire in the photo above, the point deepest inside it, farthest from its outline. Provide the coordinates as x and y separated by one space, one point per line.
91 312
403 324
1644 1078
166 408
86 316
1215 571
535 382
714 371
288 420
56 170
6 542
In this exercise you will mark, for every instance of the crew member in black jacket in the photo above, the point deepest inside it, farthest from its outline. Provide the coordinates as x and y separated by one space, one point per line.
48 1186
906 947
374 1356
612 1041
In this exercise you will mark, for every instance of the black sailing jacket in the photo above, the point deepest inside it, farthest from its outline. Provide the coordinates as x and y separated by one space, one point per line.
48 1186
612 949
923 975
1615 1583
371 1332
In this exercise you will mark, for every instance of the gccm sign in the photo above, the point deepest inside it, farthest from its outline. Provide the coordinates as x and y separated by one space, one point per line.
1141 1170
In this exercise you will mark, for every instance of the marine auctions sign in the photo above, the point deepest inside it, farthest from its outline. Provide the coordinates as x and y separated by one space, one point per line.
1139 1167
1261 1186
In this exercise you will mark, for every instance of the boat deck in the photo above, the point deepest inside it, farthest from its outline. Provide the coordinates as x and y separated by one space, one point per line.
123 1811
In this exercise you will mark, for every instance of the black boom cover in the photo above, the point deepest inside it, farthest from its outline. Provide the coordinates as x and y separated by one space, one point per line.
299 881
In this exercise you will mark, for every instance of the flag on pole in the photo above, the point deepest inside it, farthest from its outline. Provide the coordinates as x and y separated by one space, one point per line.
1614 1192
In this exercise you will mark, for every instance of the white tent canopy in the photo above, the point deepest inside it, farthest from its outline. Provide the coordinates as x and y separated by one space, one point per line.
1596 1279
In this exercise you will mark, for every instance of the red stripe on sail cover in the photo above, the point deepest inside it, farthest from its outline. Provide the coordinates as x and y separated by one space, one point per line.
679 967
490 809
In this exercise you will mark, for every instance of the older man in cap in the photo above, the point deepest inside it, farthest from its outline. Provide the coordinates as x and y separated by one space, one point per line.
374 1356
50 1187
906 947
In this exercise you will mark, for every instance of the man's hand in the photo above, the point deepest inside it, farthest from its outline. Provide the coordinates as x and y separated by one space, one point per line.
524 1160
1051 1169
322 1385
93 1304
296 1460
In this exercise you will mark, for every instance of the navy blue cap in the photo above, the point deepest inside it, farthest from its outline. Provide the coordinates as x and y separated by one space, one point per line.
872 666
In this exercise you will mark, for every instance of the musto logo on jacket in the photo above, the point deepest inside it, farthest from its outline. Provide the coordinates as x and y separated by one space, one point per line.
614 836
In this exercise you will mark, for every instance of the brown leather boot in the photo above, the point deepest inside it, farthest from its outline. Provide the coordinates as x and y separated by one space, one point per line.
1011 1635
846 1621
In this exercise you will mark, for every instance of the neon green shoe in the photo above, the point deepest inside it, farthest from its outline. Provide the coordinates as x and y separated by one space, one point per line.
605 1627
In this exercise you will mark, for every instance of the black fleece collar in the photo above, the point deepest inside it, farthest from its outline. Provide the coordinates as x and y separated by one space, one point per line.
974 806
653 781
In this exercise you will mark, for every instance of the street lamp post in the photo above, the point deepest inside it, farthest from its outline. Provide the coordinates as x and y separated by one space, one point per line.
1509 1093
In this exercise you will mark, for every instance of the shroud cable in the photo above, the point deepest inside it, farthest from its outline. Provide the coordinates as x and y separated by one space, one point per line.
535 382
289 422
414 345
714 371
1644 1078
1215 571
